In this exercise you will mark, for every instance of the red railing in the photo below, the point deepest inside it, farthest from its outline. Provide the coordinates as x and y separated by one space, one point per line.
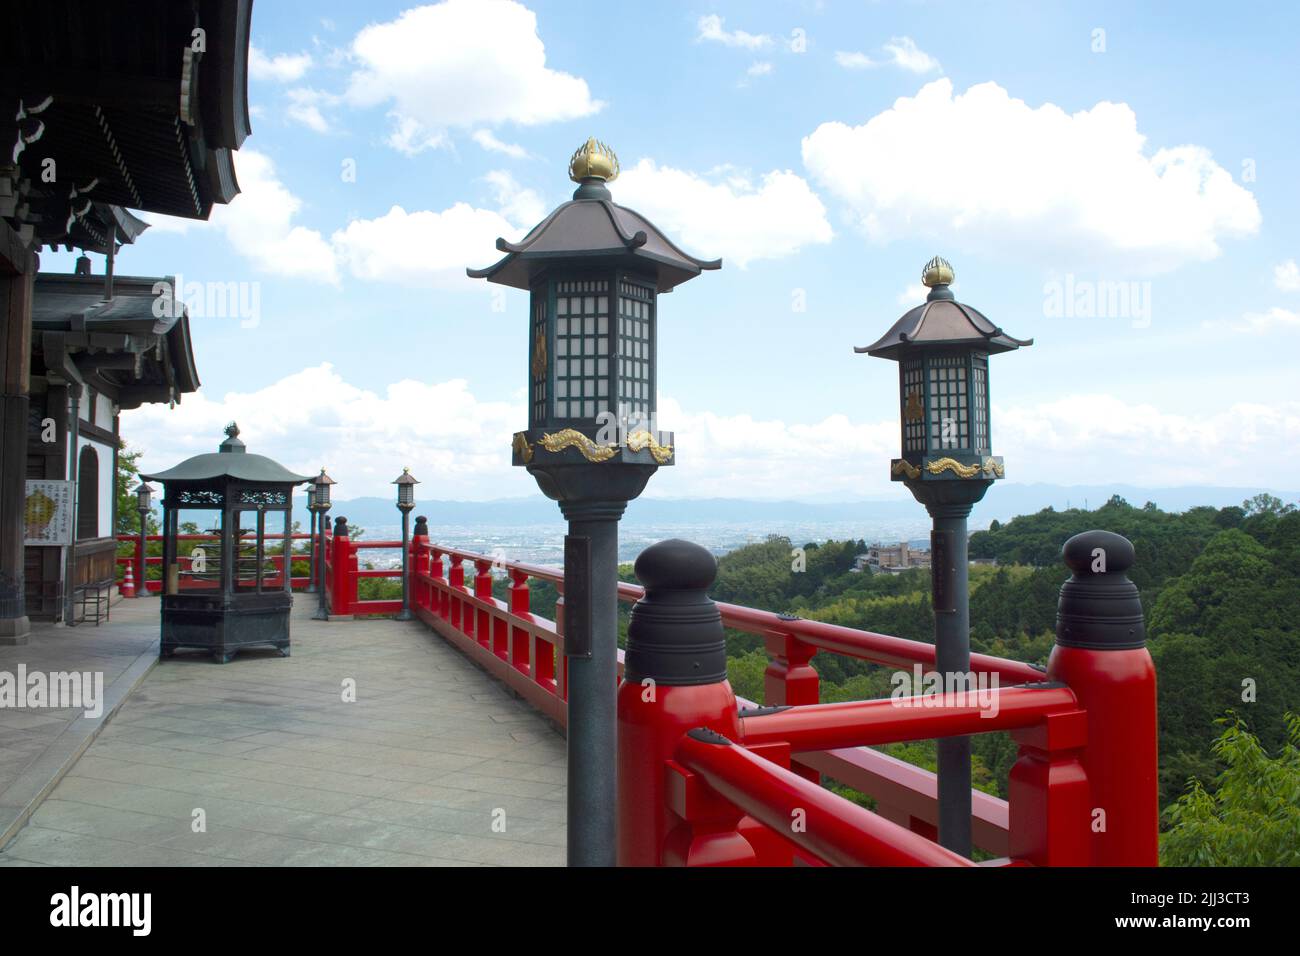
141 562
526 651
732 798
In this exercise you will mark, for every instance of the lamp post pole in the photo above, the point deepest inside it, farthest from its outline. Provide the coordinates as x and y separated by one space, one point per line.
942 348
594 271
321 485
405 503
143 494
311 541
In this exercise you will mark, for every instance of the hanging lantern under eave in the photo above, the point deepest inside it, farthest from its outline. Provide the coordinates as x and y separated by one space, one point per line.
942 348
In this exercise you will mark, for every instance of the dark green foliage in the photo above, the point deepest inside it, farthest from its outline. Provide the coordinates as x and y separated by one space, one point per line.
1222 592
1252 817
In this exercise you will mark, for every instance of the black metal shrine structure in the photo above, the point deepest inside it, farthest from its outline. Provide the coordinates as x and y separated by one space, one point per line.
236 598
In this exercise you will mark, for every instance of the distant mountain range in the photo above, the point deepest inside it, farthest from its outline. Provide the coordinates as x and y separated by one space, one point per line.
1004 501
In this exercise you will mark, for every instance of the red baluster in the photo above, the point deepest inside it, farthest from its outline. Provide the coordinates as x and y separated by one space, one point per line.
456 587
483 591
791 679
521 604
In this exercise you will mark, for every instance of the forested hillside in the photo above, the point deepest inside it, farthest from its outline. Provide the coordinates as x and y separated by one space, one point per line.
1221 589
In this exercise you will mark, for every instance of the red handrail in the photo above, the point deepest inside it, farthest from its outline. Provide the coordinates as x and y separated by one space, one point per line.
833 829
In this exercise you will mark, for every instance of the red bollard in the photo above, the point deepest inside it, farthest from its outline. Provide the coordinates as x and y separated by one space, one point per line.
1101 654
127 590
674 680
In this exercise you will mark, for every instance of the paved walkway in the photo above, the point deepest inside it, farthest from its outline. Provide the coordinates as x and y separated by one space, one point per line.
262 762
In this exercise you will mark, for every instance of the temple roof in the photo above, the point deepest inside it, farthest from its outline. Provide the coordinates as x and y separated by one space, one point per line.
126 347
230 461
129 112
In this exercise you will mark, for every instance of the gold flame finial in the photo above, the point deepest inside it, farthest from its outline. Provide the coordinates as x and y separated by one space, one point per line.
593 160
938 271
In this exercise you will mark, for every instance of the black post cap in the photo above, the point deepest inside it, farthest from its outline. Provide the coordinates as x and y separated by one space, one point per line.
341 526
675 634
1099 608
421 526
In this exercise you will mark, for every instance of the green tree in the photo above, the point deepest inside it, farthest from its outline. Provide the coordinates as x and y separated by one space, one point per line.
1253 816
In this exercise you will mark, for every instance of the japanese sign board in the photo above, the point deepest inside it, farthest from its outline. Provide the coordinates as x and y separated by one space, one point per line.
47 517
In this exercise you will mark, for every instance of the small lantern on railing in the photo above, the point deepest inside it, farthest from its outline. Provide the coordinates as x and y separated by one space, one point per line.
321 487
144 504
320 501
405 490
405 502
144 498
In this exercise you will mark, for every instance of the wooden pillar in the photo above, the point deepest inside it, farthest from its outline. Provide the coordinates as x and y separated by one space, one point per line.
17 268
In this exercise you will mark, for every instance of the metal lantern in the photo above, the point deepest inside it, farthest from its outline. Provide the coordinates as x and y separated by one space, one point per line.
236 600
405 502
311 497
405 490
593 271
320 502
942 348
144 498
321 486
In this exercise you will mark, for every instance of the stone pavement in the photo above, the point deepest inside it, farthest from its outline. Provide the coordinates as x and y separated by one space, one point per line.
37 745
263 762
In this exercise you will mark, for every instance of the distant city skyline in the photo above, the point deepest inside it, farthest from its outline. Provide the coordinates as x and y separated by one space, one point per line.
1093 187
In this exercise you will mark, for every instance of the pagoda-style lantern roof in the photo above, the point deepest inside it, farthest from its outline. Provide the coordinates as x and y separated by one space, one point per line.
592 225
942 320
231 460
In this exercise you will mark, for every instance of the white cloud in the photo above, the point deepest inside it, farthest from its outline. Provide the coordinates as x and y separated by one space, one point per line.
710 28
991 172
364 438
902 52
854 60
260 224
282 68
737 219
423 248
1258 323
524 207
1091 438
759 68
488 141
419 62
1286 276
304 107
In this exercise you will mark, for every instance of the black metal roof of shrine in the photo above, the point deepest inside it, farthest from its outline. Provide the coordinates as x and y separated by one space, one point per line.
230 461
590 226
942 320
130 113
126 347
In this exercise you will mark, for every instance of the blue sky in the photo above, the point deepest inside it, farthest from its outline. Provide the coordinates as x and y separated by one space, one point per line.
825 151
